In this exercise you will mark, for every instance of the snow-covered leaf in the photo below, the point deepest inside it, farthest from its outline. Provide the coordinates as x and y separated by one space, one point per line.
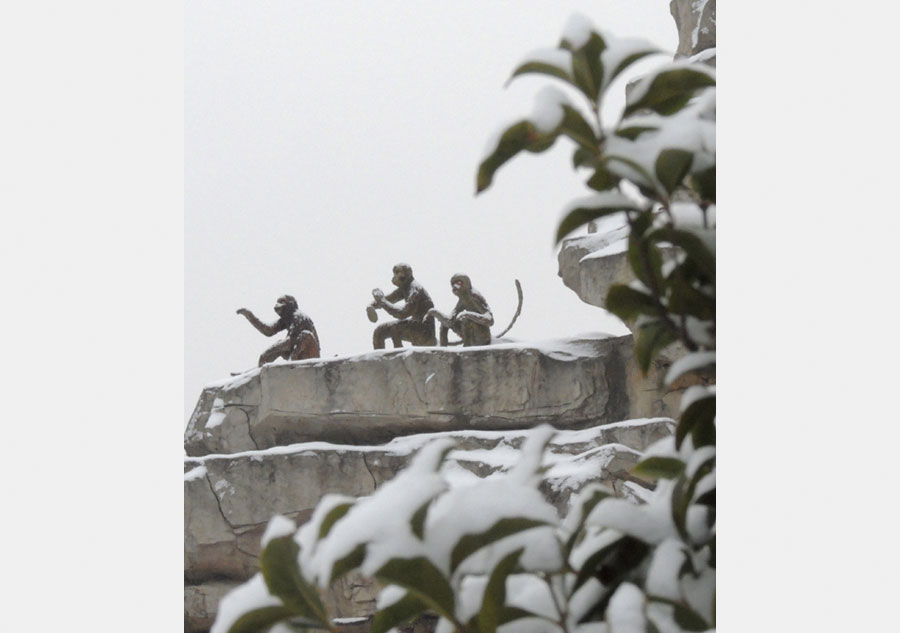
653 336
583 210
669 88
260 620
491 611
672 165
689 363
397 613
699 414
659 467
421 578
471 543
281 571
554 62
627 303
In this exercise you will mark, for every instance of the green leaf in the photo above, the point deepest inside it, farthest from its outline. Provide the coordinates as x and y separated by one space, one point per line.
586 507
669 90
603 179
331 518
576 128
491 611
693 246
582 157
260 620
688 619
580 216
281 571
627 303
543 68
633 131
628 61
350 562
704 183
471 543
587 69
398 613
652 338
685 617
659 468
417 522
700 411
422 579
613 563
687 299
683 493
672 165
644 257
509 614
518 137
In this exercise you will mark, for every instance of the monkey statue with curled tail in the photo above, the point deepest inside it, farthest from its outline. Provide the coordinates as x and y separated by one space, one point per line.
413 322
302 341
471 319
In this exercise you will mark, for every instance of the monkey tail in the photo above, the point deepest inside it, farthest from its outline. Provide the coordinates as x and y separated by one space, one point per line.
518 311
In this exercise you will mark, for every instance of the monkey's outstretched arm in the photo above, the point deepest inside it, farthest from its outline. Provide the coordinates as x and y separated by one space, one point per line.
268 330
442 318
485 318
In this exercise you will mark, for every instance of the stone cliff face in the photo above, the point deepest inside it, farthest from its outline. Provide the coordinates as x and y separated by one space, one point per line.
372 398
230 498
276 439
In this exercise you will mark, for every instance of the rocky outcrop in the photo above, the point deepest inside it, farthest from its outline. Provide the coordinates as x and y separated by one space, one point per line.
229 499
591 263
696 24
372 398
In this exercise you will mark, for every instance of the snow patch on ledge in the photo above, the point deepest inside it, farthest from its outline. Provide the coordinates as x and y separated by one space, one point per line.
408 444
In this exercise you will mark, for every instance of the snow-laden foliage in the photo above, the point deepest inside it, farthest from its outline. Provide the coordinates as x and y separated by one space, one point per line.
493 556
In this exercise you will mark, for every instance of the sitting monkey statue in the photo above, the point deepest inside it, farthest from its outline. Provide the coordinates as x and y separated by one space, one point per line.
414 323
471 319
302 341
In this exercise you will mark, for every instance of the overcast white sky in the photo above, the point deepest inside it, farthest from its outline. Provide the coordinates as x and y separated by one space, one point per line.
327 141
91 187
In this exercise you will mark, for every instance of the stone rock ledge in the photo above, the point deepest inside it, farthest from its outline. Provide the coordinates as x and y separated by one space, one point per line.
372 398
229 499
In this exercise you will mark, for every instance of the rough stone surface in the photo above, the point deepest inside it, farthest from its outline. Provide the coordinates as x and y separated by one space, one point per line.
229 499
372 398
590 264
696 24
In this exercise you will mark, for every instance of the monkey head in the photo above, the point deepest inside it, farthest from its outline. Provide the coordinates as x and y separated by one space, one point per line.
285 306
460 284
403 275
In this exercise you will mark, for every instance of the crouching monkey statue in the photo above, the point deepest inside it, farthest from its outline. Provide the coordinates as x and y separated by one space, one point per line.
471 319
414 323
301 342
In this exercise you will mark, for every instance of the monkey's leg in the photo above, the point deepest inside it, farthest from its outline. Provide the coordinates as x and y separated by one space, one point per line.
305 346
381 334
281 349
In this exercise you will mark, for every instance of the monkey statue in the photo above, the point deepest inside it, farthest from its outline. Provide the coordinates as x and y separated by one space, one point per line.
414 323
471 319
302 341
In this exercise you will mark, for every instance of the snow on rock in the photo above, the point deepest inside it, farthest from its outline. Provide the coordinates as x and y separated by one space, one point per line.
373 398
227 511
